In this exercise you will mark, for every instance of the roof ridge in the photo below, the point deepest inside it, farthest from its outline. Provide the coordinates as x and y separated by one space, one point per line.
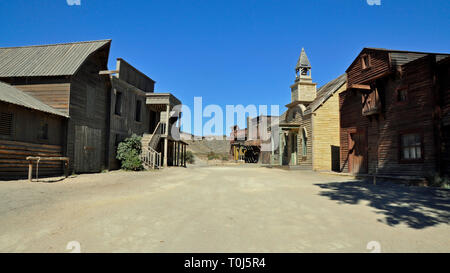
58 44
405 51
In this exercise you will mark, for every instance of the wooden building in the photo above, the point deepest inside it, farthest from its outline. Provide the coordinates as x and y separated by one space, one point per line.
100 107
393 114
128 111
28 127
66 77
309 130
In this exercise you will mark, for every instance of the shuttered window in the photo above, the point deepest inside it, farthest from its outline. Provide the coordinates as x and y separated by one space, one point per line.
6 123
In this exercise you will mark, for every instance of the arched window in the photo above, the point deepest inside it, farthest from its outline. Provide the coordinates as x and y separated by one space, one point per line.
304 142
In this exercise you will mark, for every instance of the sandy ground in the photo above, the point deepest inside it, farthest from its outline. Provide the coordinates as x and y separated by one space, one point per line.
221 209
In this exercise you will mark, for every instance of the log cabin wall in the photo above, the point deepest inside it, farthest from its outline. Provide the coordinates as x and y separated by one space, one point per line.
25 139
88 128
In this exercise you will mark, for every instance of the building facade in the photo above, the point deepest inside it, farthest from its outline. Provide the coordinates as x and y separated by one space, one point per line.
102 107
393 114
28 127
309 129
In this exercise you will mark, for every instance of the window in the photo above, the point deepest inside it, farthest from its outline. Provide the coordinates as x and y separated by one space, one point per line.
411 147
118 105
402 94
43 131
365 60
138 110
6 124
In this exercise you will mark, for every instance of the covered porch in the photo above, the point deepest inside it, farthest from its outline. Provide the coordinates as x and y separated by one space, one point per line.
165 138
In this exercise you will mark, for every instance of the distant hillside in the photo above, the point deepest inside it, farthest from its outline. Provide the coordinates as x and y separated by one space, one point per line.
205 146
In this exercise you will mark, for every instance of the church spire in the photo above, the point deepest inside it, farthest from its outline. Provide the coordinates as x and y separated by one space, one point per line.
303 66
303 90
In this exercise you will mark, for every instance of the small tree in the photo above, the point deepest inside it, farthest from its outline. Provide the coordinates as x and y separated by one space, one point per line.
128 152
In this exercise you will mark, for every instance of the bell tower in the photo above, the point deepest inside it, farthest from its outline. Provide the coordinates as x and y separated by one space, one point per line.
303 90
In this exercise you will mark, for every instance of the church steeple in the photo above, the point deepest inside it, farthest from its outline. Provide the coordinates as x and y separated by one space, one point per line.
303 90
303 68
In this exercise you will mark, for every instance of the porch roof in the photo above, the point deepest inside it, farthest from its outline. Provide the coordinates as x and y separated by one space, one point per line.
159 101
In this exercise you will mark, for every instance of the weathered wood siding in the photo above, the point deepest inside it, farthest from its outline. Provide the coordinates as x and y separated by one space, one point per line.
379 65
24 141
125 124
444 101
89 106
384 130
54 94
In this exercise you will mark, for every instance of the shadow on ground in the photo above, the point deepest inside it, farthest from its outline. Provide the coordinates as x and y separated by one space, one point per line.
417 207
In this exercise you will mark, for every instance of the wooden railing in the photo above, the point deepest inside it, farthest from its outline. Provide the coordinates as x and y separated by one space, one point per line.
151 158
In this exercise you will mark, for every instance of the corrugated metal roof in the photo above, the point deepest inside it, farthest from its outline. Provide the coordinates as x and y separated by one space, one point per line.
15 96
46 60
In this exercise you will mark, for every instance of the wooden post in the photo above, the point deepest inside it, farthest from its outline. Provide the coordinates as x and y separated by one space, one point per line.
30 170
66 168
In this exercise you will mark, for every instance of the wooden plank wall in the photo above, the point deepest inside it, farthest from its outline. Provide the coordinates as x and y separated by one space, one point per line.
13 163
54 94
134 77
383 131
379 62
86 85
125 125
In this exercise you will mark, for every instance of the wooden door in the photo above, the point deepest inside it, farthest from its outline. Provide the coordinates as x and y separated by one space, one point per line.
358 152
87 149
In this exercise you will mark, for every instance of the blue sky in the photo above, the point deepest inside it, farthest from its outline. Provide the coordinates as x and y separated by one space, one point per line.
234 51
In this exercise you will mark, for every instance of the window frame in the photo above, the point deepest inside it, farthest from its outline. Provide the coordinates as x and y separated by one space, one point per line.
138 112
12 123
118 103
364 65
43 134
418 132
398 90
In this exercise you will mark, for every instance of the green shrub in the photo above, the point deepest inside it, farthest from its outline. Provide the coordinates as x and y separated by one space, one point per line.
189 157
225 158
128 152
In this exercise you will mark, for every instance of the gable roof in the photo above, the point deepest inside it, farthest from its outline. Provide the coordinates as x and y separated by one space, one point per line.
47 60
400 57
15 96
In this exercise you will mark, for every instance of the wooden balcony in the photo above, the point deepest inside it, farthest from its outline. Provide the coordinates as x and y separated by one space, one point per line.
371 103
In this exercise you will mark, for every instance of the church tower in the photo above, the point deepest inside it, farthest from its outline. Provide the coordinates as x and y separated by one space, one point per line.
303 90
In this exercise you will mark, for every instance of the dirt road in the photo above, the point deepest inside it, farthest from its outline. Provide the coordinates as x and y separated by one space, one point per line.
221 209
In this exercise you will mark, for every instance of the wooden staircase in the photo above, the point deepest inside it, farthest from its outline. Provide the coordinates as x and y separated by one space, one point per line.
150 156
